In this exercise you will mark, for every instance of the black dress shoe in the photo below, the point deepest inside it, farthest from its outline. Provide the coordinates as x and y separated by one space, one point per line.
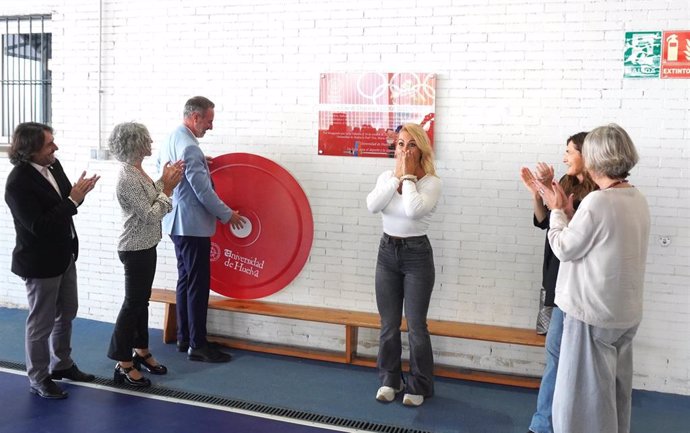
121 375
141 362
207 353
72 373
182 346
48 389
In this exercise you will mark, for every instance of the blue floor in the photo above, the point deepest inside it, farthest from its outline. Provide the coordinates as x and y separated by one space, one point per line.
93 410
335 389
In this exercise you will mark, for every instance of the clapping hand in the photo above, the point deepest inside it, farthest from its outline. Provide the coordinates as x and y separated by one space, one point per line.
172 175
83 186
544 173
528 180
554 197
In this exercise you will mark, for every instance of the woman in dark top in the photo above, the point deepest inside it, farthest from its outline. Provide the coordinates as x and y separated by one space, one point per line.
578 183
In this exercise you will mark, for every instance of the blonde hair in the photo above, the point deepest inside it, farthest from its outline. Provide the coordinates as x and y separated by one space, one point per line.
424 146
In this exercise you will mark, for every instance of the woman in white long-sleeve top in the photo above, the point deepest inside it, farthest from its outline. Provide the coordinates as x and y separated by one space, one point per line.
603 251
407 198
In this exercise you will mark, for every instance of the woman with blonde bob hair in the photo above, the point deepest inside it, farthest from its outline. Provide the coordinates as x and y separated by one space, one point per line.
603 252
406 197
144 203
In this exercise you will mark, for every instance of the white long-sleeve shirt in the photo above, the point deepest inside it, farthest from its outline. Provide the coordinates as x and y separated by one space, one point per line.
603 253
407 214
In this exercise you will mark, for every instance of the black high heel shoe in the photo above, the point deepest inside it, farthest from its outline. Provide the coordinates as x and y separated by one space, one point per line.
121 375
141 361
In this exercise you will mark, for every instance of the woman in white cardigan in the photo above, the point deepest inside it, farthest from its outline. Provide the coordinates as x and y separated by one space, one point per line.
603 251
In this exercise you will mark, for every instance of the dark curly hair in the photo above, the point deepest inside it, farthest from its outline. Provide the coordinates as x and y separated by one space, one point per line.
27 139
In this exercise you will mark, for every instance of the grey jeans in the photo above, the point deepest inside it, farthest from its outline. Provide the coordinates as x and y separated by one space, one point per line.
405 276
594 380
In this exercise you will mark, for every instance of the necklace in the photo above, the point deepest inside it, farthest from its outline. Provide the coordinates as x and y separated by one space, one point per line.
618 182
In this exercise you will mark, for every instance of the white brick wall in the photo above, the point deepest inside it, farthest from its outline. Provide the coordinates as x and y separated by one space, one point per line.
515 78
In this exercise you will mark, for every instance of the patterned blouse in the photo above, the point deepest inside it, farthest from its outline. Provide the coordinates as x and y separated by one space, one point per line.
143 206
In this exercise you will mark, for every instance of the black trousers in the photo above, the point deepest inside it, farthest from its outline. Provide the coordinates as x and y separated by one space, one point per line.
132 325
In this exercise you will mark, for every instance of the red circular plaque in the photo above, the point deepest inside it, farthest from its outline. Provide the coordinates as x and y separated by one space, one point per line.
271 249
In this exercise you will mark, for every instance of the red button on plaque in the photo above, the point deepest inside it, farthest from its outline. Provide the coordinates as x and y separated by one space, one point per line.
271 249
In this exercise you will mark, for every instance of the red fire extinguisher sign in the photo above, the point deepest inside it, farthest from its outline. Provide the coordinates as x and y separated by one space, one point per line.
675 54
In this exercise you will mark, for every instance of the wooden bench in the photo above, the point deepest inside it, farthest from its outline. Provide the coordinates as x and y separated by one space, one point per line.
353 320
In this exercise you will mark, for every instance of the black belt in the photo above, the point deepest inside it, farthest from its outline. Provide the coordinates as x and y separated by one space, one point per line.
399 240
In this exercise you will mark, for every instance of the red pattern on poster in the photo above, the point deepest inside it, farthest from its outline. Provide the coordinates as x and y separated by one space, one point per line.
361 113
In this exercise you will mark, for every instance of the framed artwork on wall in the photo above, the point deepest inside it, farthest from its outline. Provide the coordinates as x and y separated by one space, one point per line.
360 114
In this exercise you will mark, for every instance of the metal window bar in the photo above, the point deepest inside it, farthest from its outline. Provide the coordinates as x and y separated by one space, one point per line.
25 75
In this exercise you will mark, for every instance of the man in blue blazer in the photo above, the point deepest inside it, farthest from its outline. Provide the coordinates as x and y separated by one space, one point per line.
192 222
42 201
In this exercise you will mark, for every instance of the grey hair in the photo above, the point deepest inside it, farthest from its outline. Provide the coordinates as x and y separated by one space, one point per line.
197 104
129 142
609 150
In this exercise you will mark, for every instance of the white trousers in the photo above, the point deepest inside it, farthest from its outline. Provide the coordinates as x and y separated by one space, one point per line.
594 381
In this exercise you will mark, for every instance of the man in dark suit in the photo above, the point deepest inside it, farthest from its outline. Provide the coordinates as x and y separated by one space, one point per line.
42 201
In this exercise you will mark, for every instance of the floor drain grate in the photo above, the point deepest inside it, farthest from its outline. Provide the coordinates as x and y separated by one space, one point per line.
248 406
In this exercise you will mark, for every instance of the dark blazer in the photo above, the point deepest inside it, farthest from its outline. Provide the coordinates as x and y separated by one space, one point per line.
46 239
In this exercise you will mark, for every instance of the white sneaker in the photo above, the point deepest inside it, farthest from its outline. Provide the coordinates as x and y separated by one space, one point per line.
413 400
387 393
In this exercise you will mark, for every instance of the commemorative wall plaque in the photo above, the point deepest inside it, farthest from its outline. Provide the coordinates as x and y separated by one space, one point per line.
271 249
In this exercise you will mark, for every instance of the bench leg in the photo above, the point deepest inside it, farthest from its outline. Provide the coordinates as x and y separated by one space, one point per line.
170 324
350 343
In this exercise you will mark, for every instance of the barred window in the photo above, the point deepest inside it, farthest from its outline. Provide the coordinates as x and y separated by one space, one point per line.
25 75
